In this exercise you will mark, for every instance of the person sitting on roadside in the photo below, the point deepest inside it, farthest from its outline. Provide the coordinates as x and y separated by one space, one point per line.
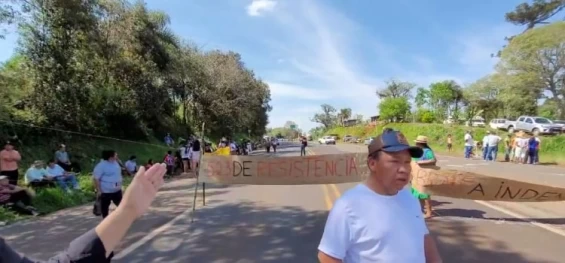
131 165
37 176
98 244
9 162
18 197
62 177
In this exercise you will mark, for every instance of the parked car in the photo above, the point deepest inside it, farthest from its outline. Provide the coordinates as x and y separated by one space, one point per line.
327 140
368 140
355 140
497 124
533 124
347 138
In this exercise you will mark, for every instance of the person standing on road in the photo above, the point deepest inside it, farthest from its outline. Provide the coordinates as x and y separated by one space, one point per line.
486 139
428 158
195 154
508 147
108 181
449 143
379 220
303 144
469 143
493 141
9 159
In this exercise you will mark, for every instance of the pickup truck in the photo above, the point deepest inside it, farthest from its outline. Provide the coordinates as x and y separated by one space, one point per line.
532 124
327 140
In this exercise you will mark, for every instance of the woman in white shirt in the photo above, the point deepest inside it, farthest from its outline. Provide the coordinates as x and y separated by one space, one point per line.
185 156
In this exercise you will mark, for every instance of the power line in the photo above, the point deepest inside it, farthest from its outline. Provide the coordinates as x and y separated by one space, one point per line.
78 133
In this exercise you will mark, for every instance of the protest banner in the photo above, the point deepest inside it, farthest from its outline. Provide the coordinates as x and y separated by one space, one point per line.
467 185
352 167
260 170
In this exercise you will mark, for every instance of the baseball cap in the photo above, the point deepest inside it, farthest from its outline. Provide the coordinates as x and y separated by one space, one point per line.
393 141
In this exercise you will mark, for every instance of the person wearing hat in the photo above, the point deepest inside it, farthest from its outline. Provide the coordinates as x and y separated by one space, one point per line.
427 158
37 176
379 220
9 159
18 196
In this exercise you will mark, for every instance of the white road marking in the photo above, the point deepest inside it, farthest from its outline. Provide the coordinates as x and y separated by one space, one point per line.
455 165
519 216
126 251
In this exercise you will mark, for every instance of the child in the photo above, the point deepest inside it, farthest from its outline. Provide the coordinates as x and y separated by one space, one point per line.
169 160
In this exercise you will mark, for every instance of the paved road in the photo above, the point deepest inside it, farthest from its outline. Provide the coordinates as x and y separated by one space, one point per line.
284 223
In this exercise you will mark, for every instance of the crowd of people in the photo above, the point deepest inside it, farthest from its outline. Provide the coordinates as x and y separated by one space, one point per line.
518 148
60 172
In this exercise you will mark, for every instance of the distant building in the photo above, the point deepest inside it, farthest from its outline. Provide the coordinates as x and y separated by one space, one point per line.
374 120
351 122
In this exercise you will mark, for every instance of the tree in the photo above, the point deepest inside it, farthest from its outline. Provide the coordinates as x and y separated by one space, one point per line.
289 124
396 89
343 115
327 117
534 63
482 98
444 99
537 13
394 109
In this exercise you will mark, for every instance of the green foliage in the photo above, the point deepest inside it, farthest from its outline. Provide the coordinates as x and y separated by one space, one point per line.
327 117
99 66
534 64
552 148
84 150
425 116
394 109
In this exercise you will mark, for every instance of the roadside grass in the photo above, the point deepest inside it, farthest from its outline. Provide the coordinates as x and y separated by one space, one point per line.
86 151
552 150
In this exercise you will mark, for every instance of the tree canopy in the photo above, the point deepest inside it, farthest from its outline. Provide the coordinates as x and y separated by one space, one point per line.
103 65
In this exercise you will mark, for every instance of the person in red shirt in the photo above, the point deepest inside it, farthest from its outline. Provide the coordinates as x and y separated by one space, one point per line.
9 159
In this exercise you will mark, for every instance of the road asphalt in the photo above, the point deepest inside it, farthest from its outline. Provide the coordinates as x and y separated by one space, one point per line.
247 223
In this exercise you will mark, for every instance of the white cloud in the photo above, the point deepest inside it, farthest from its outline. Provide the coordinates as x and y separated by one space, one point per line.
293 91
258 7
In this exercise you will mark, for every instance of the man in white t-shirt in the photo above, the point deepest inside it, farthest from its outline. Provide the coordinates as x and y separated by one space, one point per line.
469 143
379 220
493 141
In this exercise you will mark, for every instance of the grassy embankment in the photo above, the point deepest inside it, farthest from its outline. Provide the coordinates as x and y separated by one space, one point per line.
552 147
86 151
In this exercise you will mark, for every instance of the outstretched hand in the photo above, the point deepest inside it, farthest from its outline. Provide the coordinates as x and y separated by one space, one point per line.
142 191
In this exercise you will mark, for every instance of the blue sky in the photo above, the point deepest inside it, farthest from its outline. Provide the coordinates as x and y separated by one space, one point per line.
333 51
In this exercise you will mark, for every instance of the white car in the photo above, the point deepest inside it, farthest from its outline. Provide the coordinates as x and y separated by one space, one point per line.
497 124
326 140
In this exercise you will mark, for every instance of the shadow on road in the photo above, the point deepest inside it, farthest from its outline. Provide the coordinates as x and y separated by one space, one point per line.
458 242
242 232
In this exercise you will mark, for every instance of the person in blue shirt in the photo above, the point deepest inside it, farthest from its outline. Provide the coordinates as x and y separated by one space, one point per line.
532 149
108 179
63 178
428 158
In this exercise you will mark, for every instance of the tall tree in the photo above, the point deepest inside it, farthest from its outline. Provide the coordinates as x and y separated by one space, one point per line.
327 117
396 89
534 62
537 13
